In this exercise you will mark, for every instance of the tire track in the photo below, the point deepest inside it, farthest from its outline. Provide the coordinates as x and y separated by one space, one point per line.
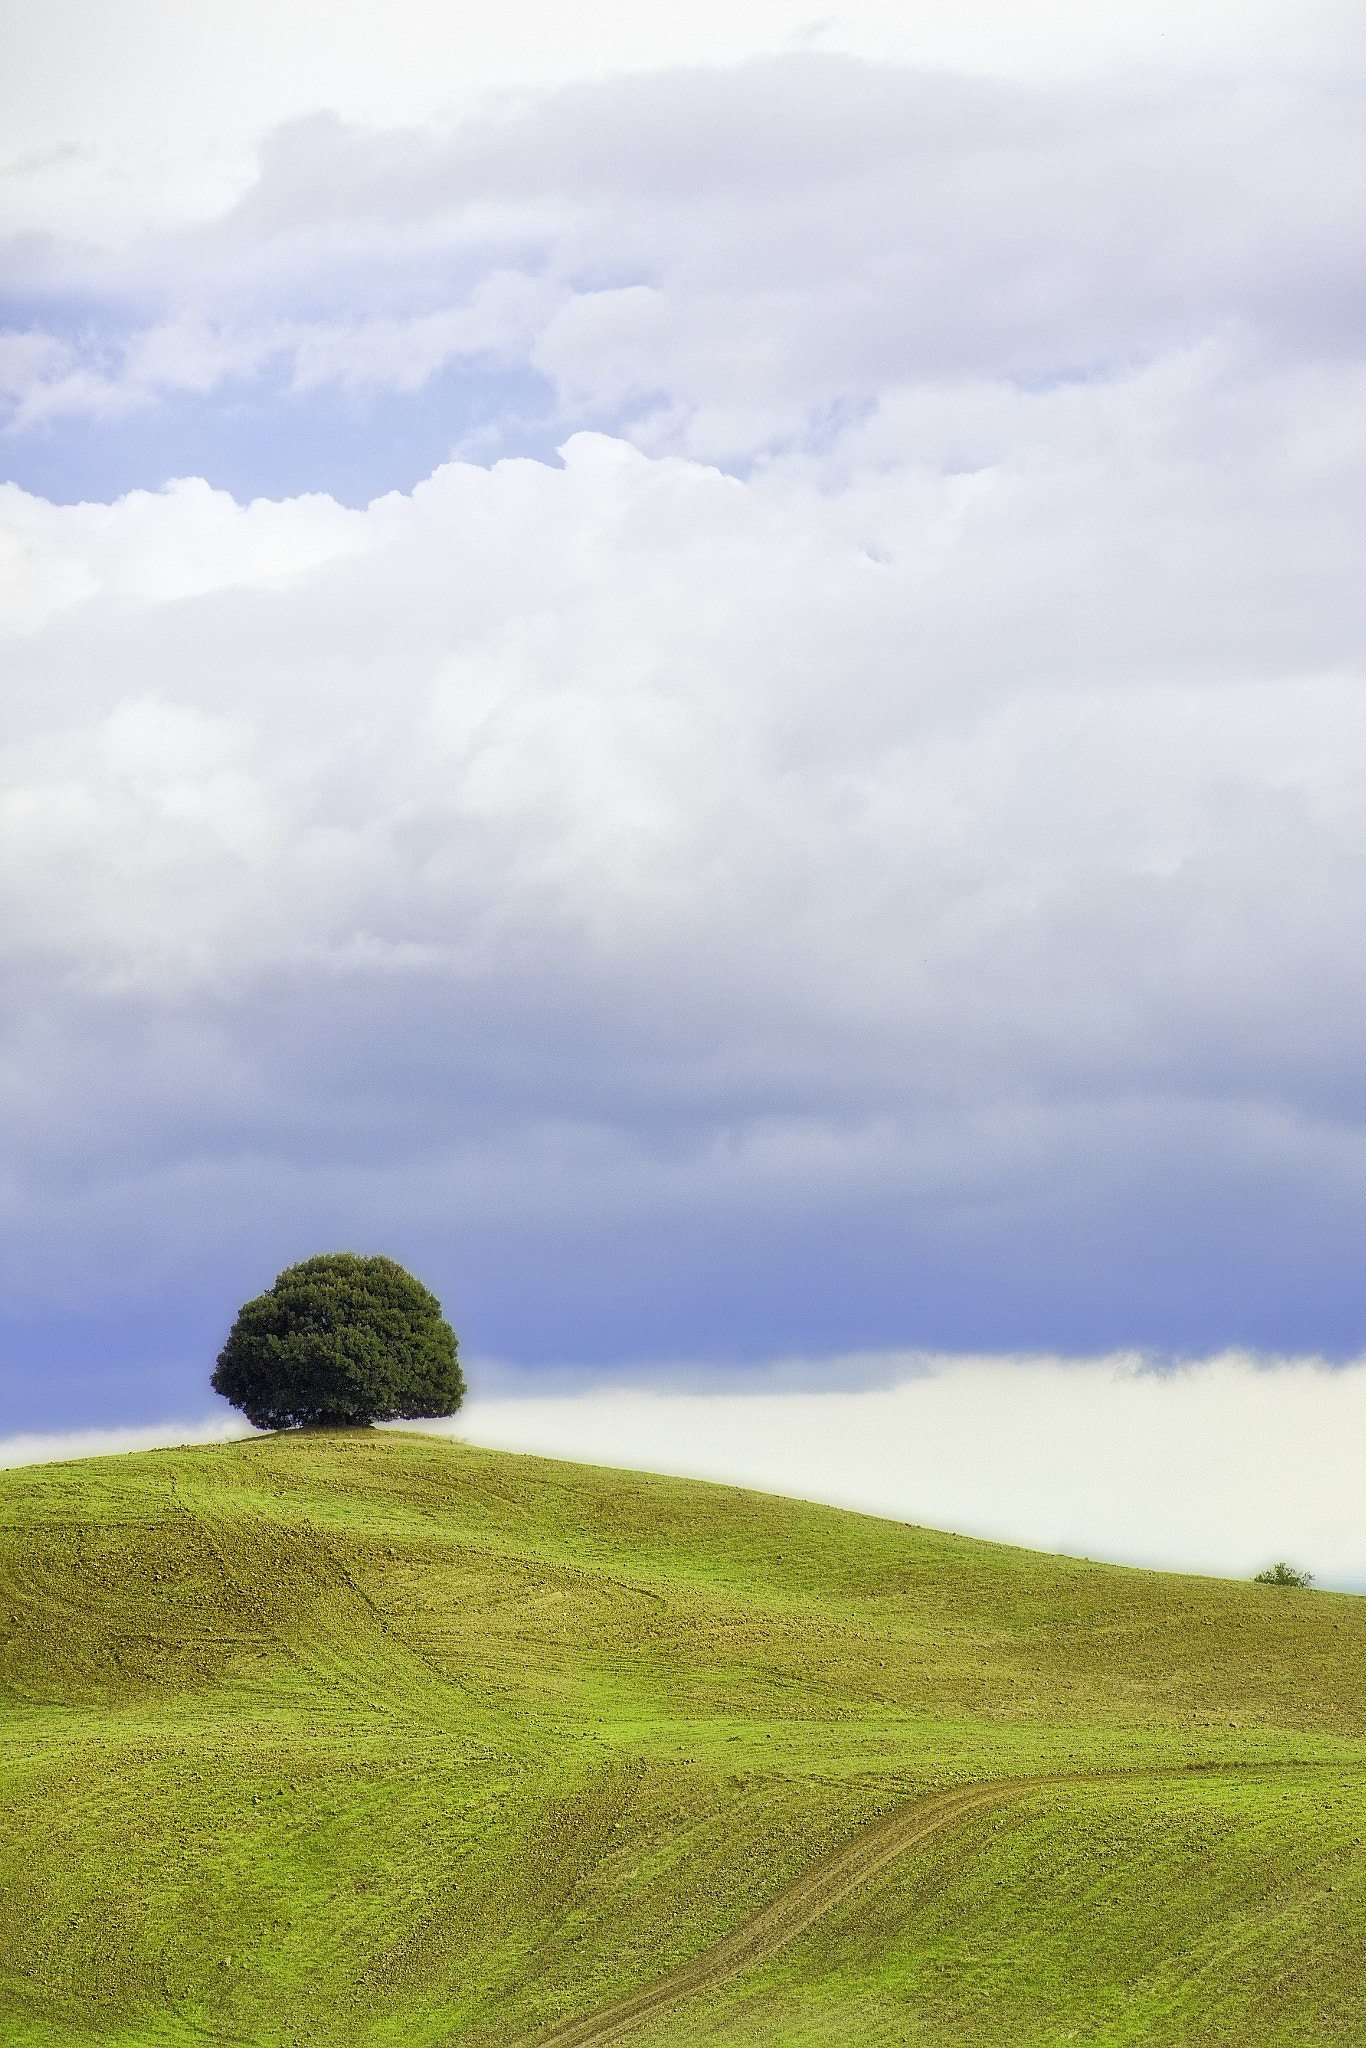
825 1885
830 1882
318 1615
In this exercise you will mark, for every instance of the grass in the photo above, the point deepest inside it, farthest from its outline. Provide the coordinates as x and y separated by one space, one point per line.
372 1739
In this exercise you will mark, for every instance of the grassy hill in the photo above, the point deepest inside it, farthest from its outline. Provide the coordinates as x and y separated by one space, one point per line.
374 1740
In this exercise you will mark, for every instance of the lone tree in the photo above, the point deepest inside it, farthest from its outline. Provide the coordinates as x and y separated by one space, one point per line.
340 1341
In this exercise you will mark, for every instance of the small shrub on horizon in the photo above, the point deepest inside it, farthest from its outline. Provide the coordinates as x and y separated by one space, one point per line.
1283 1574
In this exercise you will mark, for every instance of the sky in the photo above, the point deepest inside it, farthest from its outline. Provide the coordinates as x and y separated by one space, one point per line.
701 671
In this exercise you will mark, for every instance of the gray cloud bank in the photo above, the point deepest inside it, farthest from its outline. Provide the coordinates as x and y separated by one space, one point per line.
865 852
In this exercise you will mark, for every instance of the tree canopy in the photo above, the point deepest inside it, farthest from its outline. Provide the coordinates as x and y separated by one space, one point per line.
339 1340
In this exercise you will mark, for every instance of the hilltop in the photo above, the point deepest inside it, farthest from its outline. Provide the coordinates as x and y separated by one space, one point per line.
374 1739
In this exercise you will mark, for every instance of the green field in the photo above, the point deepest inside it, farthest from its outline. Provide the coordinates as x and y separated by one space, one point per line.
376 1739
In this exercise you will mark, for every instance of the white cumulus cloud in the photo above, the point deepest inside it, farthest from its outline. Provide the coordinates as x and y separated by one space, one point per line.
863 846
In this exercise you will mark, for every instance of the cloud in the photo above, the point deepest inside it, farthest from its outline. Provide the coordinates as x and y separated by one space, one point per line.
1220 1468
861 847
109 1443
870 901
720 263
155 118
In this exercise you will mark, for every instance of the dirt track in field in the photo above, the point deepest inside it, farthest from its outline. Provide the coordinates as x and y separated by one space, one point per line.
826 1885
814 1893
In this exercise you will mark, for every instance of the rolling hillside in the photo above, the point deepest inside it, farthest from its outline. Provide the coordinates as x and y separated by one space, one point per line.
372 1739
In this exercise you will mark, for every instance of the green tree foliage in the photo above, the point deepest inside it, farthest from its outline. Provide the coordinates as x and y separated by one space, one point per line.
340 1340
1283 1575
